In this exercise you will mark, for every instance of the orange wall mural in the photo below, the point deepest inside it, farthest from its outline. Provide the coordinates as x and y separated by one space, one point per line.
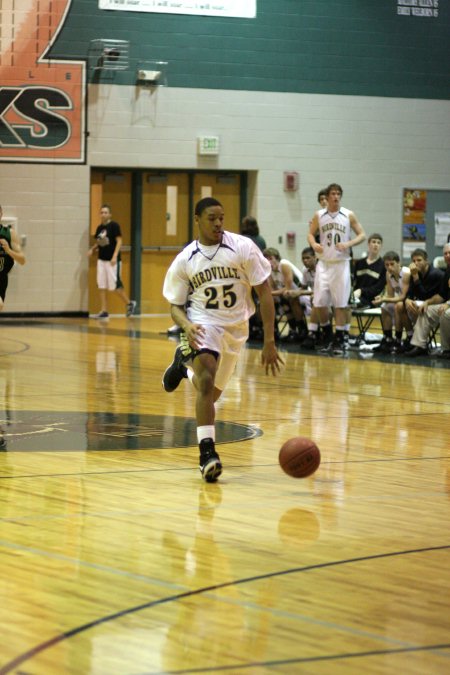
42 100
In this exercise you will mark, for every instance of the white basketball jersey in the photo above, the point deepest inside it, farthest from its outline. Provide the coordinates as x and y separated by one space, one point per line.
396 284
296 272
308 277
216 281
333 229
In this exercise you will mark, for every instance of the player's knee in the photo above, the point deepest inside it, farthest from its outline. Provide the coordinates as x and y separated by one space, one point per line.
204 382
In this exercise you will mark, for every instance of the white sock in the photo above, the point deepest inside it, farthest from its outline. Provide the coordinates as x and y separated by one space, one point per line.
207 431
190 374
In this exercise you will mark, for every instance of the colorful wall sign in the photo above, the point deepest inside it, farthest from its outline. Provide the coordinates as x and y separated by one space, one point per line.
42 108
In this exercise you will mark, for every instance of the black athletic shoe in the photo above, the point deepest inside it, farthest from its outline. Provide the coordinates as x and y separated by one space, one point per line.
385 346
292 336
325 339
175 372
416 351
310 341
210 464
405 346
396 346
131 308
339 345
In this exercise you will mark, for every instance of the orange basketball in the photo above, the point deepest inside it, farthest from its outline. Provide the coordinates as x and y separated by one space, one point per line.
299 457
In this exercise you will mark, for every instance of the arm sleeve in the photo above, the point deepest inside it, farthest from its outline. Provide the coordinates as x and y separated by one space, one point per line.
176 284
371 292
423 291
115 227
257 268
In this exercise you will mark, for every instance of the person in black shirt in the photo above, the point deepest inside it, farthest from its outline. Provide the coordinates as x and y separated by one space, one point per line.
108 238
424 283
369 279
433 313
10 252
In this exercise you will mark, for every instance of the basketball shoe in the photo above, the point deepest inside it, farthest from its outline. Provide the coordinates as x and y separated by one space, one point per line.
175 372
131 308
325 340
339 345
385 346
310 341
396 346
210 464
405 345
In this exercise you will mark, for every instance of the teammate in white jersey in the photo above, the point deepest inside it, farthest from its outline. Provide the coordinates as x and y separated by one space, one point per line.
332 286
397 285
209 288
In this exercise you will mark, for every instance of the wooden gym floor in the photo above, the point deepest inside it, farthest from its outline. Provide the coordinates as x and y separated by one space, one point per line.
117 559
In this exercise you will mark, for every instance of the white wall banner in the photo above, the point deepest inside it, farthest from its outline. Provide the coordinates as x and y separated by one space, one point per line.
239 8
441 228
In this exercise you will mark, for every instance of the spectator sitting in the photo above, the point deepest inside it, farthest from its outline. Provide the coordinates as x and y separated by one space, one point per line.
304 294
425 282
432 313
282 279
369 274
397 285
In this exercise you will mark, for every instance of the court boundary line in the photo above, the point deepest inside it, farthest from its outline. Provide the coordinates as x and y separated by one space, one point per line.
307 659
229 466
43 646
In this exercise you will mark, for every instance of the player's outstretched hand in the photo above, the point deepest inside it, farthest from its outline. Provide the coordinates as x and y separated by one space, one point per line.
271 359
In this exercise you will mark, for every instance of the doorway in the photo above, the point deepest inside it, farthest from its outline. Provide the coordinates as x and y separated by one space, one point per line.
162 203
112 188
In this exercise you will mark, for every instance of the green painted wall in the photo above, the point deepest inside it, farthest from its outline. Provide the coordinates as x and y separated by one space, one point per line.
354 47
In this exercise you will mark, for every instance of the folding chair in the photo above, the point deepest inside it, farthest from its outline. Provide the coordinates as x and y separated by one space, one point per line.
432 338
281 321
365 318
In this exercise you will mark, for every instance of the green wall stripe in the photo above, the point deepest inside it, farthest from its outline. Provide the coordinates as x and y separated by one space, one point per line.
355 47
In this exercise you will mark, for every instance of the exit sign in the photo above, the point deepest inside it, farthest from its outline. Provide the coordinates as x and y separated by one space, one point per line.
208 145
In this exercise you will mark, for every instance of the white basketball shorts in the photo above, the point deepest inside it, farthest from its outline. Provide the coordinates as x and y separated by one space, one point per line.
332 285
108 275
227 341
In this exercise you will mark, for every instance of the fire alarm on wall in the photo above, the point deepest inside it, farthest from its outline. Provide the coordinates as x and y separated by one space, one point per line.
290 181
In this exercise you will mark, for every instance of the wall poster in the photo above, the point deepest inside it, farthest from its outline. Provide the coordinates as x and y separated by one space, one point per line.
413 226
441 228
42 101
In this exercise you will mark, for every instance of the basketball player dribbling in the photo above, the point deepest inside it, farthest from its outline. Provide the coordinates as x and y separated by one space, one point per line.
209 288
332 286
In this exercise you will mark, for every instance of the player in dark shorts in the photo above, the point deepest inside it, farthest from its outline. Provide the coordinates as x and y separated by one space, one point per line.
10 253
